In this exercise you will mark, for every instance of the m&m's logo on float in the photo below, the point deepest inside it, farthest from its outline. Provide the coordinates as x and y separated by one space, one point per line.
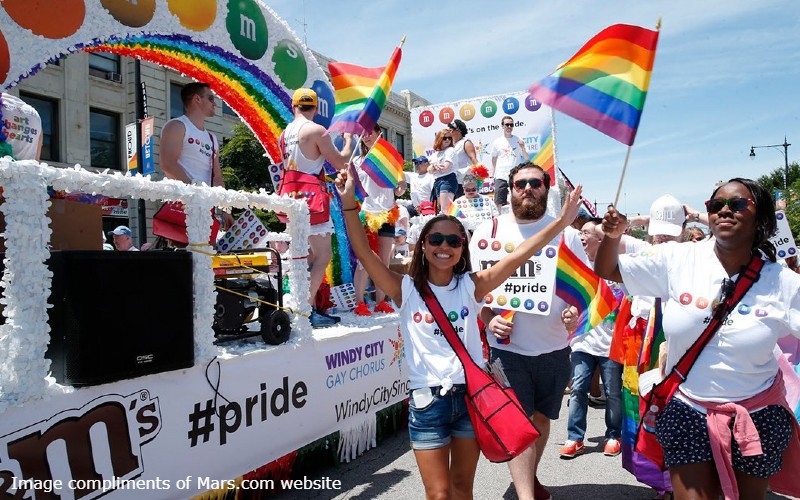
240 48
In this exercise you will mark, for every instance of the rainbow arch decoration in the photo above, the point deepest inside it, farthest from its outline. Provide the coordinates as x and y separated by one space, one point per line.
249 56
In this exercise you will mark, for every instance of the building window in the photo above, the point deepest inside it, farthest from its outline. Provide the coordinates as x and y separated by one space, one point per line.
175 103
105 66
400 144
104 139
48 112
228 111
384 132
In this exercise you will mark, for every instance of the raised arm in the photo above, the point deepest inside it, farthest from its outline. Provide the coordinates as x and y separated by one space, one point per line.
384 278
326 148
489 279
606 262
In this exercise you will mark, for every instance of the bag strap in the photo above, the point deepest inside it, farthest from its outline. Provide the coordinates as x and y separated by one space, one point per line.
447 329
213 155
494 227
744 282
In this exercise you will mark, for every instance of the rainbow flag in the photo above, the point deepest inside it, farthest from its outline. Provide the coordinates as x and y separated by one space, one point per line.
653 338
605 83
546 158
578 286
383 164
455 211
361 93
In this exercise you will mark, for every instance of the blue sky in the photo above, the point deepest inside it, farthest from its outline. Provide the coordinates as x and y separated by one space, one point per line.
726 77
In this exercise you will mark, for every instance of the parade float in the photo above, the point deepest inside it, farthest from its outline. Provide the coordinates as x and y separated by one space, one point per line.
215 419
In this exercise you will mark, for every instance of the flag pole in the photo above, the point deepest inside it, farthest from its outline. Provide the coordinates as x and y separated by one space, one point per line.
622 177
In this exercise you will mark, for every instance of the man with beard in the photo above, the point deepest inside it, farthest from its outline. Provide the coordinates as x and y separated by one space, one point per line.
533 348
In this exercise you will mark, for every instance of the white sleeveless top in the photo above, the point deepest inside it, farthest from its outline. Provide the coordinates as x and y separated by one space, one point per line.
461 162
293 157
199 148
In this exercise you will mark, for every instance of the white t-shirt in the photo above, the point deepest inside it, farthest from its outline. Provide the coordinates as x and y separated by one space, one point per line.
22 126
461 162
533 334
738 361
199 148
420 186
445 155
508 154
379 199
430 358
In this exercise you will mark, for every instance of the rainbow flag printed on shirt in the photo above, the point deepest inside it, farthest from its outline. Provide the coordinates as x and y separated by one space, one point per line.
605 83
578 286
361 93
384 164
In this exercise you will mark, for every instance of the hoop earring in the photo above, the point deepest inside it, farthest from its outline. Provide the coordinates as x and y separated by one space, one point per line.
463 263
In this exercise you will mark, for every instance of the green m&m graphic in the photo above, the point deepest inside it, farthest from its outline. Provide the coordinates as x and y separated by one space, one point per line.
488 109
452 316
515 302
247 28
290 64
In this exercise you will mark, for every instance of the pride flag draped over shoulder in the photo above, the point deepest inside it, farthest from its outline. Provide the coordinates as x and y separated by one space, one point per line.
605 83
361 93
383 164
578 286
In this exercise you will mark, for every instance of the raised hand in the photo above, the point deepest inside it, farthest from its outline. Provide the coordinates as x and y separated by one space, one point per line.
614 223
571 205
345 183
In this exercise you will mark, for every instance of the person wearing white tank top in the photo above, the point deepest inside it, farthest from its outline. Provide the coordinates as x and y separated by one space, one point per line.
188 152
306 146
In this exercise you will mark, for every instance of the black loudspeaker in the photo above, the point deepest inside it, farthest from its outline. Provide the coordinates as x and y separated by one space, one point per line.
119 315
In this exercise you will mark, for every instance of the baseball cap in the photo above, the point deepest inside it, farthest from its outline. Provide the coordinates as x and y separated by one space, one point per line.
458 125
420 159
427 208
666 216
400 232
120 230
304 97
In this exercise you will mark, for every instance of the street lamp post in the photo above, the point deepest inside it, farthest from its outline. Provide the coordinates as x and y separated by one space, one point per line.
785 147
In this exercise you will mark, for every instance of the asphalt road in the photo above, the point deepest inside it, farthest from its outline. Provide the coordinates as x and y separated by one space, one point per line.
389 472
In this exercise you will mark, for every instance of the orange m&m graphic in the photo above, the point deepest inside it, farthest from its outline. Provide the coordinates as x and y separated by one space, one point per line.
134 14
196 15
48 18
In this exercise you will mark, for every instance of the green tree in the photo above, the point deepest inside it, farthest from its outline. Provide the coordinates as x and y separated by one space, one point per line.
246 168
773 181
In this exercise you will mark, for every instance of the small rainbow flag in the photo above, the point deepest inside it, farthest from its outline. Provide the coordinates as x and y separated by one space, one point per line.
605 83
455 211
384 164
578 286
653 338
361 93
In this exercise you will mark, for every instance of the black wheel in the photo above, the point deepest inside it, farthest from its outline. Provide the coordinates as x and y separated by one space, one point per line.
276 327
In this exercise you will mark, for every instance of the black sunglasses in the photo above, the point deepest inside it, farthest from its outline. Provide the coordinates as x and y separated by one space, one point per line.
453 240
508 125
534 183
473 190
735 204
448 138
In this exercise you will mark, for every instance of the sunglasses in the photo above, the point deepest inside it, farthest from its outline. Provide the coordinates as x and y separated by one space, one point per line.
447 138
534 183
474 190
453 240
510 125
735 204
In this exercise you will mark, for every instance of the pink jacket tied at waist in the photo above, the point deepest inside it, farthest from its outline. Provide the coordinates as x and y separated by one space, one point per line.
718 418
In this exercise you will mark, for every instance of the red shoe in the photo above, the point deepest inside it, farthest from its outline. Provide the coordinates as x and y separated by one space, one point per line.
572 449
362 309
612 448
383 307
539 491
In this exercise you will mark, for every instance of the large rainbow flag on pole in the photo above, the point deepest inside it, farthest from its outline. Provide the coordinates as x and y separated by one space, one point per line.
605 83
383 164
578 286
361 93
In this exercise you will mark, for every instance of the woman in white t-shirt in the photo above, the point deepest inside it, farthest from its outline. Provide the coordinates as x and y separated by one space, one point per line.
736 373
439 426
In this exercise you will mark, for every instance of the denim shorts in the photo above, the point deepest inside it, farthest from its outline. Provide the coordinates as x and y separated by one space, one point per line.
539 381
447 183
432 425
683 433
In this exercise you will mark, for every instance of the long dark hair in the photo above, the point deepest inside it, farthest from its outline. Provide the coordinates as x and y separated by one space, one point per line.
419 266
765 215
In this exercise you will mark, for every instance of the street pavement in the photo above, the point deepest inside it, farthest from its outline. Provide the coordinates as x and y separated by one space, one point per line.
389 472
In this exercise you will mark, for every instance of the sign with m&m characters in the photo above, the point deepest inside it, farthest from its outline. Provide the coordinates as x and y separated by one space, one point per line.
247 232
530 288
783 240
